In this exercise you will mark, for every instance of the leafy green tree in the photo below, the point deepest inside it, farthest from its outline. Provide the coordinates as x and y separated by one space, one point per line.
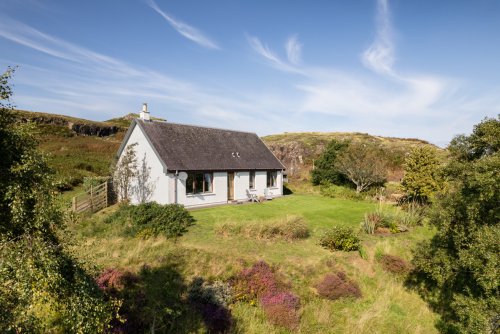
458 271
324 168
421 177
363 164
42 287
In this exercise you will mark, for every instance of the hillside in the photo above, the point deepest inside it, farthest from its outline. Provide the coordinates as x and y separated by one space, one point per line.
298 150
79 147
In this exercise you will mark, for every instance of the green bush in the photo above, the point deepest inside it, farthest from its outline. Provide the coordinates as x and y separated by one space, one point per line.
153 219
340 238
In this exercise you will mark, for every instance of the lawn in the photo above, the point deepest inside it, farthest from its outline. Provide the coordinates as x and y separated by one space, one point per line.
386 306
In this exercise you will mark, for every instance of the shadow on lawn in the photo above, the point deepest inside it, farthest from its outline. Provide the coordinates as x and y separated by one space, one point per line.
153 300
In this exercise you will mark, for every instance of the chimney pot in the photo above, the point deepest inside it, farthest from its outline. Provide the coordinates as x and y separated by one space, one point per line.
144 115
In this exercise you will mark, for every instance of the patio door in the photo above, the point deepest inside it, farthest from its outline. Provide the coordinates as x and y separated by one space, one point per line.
230 186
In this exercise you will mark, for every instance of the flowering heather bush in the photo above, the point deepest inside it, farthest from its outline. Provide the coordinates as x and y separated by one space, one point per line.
337 285
257 281
124 285
395 264
282 309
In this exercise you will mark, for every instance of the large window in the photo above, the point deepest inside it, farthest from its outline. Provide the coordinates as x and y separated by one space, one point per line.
198 183
272 178
251 183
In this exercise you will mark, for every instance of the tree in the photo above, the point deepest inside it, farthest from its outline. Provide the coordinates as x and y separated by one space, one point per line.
124 173
363 165
457 271
421 179
144 187
324 168
42 287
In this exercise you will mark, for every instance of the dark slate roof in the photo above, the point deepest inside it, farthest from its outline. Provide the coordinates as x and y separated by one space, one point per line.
186 147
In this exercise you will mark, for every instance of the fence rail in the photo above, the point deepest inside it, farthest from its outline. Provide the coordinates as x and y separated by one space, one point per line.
95 199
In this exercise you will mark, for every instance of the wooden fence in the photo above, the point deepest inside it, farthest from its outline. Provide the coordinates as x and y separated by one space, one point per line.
95 199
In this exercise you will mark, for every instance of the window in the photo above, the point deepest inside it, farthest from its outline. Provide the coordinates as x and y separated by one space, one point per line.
272 179
251 184
198 183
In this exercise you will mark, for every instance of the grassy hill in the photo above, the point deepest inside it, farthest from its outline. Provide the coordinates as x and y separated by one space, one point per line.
78 148
298 150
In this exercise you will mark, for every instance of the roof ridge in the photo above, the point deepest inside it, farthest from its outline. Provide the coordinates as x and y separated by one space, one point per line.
196 126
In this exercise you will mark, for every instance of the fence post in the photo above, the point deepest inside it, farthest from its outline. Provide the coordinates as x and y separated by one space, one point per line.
91 198
74 203
106 193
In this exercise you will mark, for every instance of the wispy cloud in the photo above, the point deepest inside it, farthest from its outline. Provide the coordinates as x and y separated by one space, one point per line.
293 50
380 57
185 29
264 51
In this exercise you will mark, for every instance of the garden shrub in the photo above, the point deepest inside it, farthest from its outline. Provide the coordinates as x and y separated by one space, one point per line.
282 309
289 228
153 219
340 238
394 264
211 300
337 285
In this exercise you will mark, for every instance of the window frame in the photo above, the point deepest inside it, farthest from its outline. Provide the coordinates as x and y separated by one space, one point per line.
251 180
195 177
272 175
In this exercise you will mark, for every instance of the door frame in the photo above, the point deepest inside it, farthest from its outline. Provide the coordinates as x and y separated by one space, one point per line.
230 186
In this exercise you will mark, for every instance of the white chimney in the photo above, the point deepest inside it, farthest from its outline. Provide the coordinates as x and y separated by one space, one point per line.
144 115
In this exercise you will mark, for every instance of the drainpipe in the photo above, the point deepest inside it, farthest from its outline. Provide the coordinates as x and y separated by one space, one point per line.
175 186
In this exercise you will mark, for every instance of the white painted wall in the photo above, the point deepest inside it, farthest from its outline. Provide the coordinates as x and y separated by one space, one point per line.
158 177
218 196
165 190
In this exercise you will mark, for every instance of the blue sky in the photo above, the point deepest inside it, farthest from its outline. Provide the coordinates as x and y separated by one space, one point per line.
425 69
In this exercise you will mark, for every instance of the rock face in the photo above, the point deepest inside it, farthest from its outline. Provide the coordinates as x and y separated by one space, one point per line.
79 127
297 157
93 129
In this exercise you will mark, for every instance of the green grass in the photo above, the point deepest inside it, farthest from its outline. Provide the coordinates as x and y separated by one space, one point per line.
386 307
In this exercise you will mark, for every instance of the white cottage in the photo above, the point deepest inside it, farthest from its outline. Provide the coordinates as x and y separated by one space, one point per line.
198 166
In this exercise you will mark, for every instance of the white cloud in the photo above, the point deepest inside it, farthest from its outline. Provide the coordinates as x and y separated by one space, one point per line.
293 50
380 57
264 51
185 29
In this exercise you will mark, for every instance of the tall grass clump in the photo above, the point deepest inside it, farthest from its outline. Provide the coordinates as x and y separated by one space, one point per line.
334 191
393 220
260 283
340 238
288 228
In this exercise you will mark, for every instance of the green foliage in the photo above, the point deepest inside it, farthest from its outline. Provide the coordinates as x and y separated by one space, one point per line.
340 238
363 164
334 191
153 219
325 171
289 228
457 272
421 179
42 288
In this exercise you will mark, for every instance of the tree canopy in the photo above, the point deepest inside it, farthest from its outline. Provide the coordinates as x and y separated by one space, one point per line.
421 169
42 287
324 168
457 272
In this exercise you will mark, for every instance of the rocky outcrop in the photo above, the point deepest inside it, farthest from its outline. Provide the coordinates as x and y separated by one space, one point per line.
79 127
